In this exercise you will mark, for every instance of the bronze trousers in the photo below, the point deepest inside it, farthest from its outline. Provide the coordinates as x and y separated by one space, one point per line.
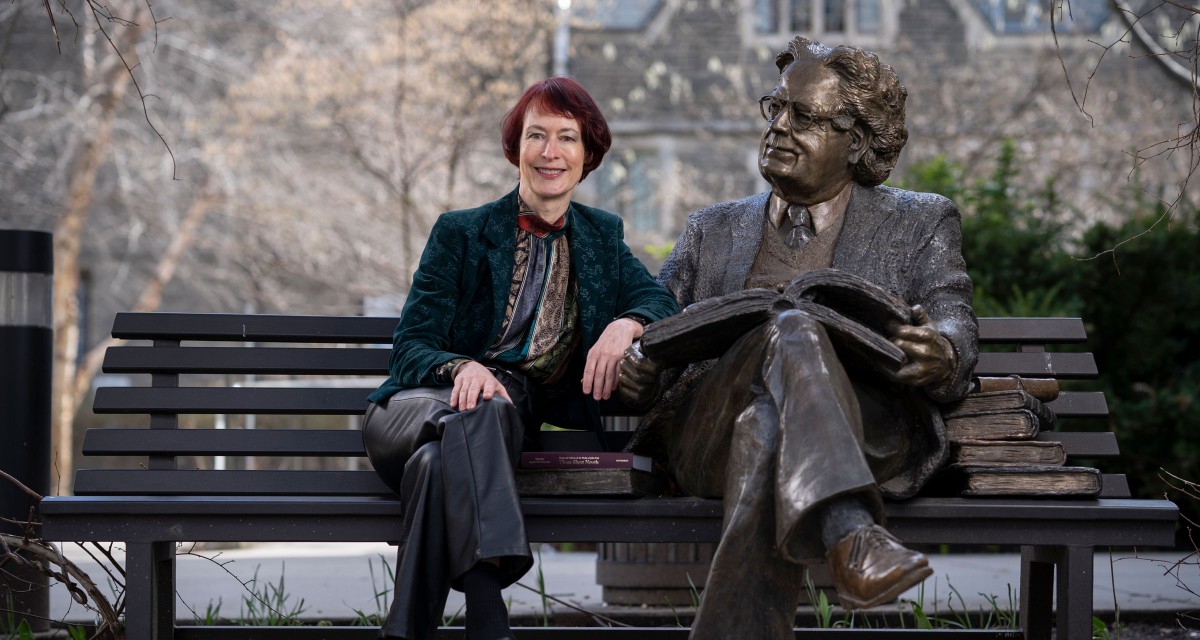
776 428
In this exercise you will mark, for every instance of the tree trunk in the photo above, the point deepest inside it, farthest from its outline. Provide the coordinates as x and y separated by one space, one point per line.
68 235
151 296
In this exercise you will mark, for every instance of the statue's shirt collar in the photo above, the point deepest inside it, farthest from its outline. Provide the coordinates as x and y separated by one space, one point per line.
824 214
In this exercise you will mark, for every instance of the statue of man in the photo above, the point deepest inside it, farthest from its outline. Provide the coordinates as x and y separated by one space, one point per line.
801 445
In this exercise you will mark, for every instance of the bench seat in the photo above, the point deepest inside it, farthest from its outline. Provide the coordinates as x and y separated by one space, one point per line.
1009 521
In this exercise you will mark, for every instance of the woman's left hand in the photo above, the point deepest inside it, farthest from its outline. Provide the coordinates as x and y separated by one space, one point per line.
604 358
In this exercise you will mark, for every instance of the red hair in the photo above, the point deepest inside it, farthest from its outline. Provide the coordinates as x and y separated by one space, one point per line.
558 96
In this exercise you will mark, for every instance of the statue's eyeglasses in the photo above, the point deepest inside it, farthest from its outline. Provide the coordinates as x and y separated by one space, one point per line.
801 120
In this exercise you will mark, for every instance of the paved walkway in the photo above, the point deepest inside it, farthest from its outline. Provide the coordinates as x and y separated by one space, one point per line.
336 580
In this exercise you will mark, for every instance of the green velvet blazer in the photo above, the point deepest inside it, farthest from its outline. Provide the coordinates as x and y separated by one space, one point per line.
460 289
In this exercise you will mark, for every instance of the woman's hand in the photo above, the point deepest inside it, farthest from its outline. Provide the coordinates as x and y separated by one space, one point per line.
604 358
471 380
930 357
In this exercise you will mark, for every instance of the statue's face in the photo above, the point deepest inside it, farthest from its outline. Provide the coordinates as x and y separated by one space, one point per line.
807 160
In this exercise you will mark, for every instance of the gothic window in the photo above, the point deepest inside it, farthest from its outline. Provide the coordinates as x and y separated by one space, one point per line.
818 18
1033 16
626 184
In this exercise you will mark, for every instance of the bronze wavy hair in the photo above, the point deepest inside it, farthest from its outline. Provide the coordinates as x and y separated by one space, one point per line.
871 93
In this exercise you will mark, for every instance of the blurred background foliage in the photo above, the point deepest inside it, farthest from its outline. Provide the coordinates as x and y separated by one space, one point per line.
1133 281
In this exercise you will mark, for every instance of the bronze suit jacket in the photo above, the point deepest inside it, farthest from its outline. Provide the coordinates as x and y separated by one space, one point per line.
907 242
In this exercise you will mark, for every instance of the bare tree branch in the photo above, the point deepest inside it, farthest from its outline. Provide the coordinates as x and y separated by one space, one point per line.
1164 57
99 11
20 485
83 590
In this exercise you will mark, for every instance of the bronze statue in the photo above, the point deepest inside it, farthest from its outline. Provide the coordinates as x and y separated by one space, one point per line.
801 444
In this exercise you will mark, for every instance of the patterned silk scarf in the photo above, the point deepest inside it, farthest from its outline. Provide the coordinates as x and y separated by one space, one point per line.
540 327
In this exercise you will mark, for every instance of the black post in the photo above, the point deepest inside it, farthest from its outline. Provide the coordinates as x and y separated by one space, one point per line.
26 359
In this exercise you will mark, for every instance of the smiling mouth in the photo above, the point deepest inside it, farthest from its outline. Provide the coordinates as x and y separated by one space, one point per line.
551 173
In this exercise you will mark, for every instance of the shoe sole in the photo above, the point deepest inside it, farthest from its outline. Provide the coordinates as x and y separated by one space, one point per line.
911 580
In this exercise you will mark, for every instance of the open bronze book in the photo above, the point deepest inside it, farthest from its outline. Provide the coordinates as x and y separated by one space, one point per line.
856 313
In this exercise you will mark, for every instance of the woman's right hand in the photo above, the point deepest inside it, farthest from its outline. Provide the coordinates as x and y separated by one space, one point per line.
471 380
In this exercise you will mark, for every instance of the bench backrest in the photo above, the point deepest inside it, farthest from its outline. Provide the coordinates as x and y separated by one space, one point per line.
220 365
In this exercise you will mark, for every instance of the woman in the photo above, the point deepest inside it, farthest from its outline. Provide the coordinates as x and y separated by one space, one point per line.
519 314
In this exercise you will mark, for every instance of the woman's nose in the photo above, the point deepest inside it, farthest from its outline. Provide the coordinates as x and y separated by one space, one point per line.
550 150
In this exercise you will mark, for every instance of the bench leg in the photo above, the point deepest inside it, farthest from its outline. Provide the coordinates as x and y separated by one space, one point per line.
1070 570
1037 591
150 591
1075 593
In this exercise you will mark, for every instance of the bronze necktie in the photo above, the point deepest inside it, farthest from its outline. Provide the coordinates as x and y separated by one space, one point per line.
797 228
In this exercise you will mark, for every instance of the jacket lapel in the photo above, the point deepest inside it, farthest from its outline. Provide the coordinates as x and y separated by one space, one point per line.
745 236
499 231
588 254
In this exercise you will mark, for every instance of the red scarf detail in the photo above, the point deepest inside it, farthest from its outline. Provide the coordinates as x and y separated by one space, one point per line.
533 223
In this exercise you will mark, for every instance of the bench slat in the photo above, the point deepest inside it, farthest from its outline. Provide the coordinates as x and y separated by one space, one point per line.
1080 404
348 442
253 328
193 482
1031 330
327 361
206 400
1085 444
247 360
353 401
1037 365
231 442
233 327
297 442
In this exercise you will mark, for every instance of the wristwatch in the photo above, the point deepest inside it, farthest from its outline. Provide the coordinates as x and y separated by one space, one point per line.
636 318
444 374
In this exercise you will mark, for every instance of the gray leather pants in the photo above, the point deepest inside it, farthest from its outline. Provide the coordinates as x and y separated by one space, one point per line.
776 428
454 474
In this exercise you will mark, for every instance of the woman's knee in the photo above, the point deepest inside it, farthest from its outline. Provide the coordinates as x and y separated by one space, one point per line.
395 428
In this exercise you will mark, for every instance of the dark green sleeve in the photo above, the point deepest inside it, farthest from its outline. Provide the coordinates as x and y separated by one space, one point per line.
422 338
637 292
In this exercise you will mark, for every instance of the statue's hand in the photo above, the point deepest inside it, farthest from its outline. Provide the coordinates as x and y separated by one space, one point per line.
930 356
638 381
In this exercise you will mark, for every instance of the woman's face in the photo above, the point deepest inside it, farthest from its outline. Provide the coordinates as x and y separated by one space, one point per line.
552 158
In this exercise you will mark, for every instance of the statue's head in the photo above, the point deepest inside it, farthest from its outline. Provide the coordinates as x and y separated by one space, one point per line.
836 116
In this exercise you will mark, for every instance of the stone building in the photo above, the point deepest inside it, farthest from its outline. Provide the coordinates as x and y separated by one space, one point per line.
679 80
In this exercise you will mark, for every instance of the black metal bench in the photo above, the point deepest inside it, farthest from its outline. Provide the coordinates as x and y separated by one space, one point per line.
160 499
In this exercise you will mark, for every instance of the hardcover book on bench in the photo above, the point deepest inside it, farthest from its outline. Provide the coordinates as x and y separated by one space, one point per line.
575 460
587 473
1007 452
1027 480
995 402
1019 424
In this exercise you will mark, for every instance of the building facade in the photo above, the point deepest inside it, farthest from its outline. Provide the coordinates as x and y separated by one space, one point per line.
679 81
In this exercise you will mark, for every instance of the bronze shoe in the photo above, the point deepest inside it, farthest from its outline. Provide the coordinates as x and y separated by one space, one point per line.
871 567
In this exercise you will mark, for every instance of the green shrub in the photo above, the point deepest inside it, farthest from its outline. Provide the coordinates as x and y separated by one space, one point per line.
1140 297
1013 239
1142 302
